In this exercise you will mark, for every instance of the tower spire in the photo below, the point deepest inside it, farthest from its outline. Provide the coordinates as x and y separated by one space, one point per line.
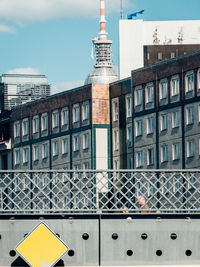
102 34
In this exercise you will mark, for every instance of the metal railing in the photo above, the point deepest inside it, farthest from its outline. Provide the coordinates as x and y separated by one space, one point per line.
95 191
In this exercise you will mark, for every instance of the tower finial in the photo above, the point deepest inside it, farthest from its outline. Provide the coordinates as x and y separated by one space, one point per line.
102 34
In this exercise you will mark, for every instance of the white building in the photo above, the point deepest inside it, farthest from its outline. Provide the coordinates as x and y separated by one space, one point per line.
17 89
135 34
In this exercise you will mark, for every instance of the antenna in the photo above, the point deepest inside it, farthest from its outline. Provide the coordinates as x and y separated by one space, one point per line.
102 33
121 9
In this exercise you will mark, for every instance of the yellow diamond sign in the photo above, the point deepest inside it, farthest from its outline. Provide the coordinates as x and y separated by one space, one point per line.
41 248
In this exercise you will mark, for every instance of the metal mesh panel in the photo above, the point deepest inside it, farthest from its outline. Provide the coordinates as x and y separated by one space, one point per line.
99 191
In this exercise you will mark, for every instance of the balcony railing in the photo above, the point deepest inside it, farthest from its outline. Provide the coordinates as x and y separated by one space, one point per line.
100 191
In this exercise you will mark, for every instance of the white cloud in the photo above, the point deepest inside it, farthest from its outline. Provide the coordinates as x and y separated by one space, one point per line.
64 86
7 29
24 71
23 11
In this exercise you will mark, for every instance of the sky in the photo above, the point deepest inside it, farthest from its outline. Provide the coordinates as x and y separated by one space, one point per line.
54 37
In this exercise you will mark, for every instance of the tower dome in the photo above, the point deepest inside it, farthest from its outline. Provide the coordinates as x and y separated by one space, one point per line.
103 68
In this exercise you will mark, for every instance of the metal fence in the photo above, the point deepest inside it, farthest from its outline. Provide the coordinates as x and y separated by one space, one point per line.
94 191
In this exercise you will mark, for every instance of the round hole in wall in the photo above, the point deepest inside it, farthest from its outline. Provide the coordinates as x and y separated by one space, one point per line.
58 235
12 253
71 253
159 252
129 252
173 236
85 236
144 236
115 236
188 252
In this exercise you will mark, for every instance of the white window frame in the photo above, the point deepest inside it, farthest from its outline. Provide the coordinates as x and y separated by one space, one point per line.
35 124
36 153
138 96
128 106
76 113
55 149
150 125
25 127
129 134
176 151
163 88
189 85
17 156
44 122
175 119
139 128
150 156
115 109
65 146
65 116
85 111
164 153
76 143
164 122
86 166
86 140
45 150
189 115
17 129
175 85
25 155
190 147
139 159
55 119
149 93
116 140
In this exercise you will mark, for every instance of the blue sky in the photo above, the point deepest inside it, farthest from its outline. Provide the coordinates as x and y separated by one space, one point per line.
53 37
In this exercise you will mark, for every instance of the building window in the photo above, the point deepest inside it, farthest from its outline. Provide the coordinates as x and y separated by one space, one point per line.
85 111
176 151
86 141
139 130
139 159
17 157
25 128
116 140
86 166
175 85
35 125
65 145
25 155
17 129
149 94
76 143
44 122
55 148
150 156
190 148
198 79
36 153
164 153
138 97
76 113
164 122
129 136
189 82
128 106
65 117
172 54
55 119
160 55
150 125
189 115
45 151
163 89
115 112
175 119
